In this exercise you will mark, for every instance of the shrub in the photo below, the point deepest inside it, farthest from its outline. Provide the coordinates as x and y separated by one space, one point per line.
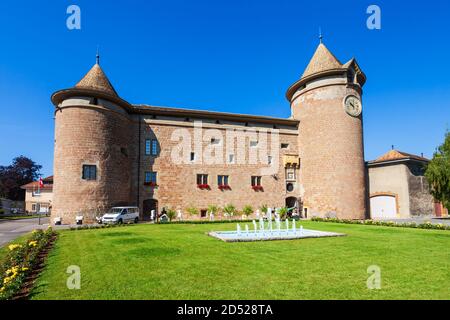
213 209
264 208
192 211
283 212
247 210
229 210
171 214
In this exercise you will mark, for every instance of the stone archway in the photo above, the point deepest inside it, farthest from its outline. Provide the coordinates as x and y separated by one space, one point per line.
149 205
292 202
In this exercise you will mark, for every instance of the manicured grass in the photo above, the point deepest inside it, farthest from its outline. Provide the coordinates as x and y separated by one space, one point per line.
182 262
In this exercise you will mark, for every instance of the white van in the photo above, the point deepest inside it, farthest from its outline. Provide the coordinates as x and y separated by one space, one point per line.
121 215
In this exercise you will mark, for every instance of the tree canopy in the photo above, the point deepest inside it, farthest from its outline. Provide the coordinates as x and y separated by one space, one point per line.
23 170
438 173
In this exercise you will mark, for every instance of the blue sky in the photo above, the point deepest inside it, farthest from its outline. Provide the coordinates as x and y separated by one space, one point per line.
224 55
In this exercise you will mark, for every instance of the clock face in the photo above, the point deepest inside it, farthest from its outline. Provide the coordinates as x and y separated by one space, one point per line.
352 106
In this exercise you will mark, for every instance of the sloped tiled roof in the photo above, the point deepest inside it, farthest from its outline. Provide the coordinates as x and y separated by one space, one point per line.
96 79
393 155
48 184
322 60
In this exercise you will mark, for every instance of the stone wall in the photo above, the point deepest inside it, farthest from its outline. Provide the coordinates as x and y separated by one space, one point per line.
421 201
177 186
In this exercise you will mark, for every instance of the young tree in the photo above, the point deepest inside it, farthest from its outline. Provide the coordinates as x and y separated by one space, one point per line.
192 211
247 210
171 214
438 173
23 170
229 210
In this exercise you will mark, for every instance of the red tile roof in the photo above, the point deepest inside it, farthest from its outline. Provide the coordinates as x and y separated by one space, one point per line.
48 184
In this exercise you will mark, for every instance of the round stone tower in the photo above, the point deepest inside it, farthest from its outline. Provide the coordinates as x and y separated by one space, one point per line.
327 101
92 157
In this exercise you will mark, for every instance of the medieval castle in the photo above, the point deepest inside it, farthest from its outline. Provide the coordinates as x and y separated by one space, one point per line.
109 152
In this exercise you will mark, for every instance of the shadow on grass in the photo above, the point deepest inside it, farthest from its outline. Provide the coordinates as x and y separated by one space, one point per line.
117 234
131 240
153 252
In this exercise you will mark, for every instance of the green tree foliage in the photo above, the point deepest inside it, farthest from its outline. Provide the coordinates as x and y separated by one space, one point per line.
22 171
171 214
438 173
247 210
192 211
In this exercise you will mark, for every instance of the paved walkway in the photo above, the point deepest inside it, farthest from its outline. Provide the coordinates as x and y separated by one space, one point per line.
11 229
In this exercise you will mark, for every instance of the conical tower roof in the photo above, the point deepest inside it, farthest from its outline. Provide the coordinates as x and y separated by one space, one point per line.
97 80
322 60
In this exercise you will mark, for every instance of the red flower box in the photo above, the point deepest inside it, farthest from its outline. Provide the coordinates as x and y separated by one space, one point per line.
224 187
203 186
258 188
150 184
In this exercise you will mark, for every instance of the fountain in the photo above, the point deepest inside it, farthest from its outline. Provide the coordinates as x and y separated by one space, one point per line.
267 233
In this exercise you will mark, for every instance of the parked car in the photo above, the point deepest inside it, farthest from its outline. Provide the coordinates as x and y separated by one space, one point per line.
121 215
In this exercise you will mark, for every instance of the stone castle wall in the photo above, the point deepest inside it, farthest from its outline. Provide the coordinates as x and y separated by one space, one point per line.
89 134
331 149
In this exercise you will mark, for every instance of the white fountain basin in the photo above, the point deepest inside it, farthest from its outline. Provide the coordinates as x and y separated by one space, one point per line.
266 235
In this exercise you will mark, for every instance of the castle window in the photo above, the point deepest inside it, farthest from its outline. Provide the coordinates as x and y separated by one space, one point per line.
222 180
89 172
148 146
215 141
290 174
202 179
150 177
269 159
154 147
256 181
192 156
284 145
253 143
231 158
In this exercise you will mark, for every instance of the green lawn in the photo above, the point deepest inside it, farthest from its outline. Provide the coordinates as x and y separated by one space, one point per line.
182 262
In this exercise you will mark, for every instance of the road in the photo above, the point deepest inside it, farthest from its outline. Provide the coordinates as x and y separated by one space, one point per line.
11 229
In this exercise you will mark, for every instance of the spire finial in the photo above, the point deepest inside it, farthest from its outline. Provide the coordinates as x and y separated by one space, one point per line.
393 147
97 57
320 34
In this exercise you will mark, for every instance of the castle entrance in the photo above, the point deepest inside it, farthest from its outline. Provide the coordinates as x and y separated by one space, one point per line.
149 205
293 205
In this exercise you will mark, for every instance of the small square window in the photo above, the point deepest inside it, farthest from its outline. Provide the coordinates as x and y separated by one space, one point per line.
253 143
150 177
284 145
192 156
231 158
215 141
89 172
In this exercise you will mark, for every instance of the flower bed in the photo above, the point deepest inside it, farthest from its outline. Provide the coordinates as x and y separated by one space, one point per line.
20 262
426 225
